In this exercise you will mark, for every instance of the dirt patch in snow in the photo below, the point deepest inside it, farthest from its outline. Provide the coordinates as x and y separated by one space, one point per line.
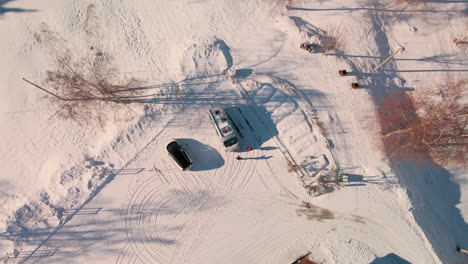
313 212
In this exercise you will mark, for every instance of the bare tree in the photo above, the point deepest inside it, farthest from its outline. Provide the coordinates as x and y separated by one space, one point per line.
85 87
332 37
90 78
431 123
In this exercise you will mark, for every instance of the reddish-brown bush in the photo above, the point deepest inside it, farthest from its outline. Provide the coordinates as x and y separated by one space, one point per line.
332 37
432 124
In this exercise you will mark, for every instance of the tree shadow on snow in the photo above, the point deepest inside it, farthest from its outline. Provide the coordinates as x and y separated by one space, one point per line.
390 259
4 10
253 124
429 185
361 180
305 26
432 192
226 51
243 73
57 245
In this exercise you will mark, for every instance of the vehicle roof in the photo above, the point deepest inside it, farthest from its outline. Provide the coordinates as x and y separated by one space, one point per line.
175 149
174 145
221 122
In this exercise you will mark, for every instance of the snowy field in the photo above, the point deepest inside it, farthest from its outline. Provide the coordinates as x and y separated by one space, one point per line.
108 192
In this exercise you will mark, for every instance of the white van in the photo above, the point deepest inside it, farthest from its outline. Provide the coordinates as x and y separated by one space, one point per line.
224 128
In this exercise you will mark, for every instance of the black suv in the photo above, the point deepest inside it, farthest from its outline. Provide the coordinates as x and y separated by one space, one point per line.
179 155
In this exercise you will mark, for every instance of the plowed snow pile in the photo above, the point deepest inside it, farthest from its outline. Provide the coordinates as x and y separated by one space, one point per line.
100 187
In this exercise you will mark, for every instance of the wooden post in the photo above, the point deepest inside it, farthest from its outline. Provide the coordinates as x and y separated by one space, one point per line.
387 59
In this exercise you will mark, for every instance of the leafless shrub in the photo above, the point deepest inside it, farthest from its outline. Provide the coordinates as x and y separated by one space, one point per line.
459 41
287 4
90 78
86 87
322 180
332 37
327 182
292 167
433 124
89 87
321 127
328 177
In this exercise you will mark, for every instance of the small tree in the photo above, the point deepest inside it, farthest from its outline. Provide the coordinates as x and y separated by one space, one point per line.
87 86
90 78
332 37
432 123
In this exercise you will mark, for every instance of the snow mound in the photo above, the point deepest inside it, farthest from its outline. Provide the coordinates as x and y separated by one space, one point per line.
202 57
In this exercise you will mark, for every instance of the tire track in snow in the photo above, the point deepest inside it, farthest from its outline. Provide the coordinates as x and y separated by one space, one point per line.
192 234
142 237
191 237
133 208
246 169
97 190
276 139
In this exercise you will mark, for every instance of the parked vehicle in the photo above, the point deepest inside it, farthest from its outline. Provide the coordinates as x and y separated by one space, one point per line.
224 128
178 153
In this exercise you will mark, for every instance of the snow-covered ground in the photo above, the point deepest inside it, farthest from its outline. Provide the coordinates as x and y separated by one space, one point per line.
91 193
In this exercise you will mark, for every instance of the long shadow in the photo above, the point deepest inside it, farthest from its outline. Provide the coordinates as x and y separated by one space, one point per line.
226 51
95 192
390 258
180 93
257 158
427 183
425 70
446 1
113 226
433 195
202 80
354 9
82 237
360 180
445 59
253 124
4 10
305 26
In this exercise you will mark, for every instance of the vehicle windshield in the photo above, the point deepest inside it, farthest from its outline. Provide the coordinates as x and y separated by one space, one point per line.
230 142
